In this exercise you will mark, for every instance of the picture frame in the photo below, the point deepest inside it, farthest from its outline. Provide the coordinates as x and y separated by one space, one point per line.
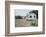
7 18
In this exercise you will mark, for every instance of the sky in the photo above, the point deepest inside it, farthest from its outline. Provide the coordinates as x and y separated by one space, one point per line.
21 12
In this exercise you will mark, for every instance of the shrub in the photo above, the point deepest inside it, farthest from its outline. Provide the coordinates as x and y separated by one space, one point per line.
34 23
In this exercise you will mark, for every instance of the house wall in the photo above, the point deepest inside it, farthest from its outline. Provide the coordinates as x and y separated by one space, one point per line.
32 14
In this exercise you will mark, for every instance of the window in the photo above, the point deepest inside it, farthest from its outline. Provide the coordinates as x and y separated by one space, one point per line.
34 16
30 16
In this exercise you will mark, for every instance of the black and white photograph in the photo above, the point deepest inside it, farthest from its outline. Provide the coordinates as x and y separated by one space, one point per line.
26 18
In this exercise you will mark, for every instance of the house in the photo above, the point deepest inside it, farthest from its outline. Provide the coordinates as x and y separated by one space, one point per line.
32 15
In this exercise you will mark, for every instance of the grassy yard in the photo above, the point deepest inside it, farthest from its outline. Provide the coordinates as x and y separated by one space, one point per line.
25 23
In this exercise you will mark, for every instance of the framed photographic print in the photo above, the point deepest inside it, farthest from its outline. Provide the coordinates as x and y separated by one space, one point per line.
24 18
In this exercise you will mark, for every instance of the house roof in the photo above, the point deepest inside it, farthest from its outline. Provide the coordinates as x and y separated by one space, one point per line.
34 11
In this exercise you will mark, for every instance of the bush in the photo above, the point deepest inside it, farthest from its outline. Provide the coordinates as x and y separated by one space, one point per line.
34 23
18 17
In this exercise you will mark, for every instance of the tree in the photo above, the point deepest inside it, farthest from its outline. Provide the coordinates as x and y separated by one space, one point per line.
18 17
